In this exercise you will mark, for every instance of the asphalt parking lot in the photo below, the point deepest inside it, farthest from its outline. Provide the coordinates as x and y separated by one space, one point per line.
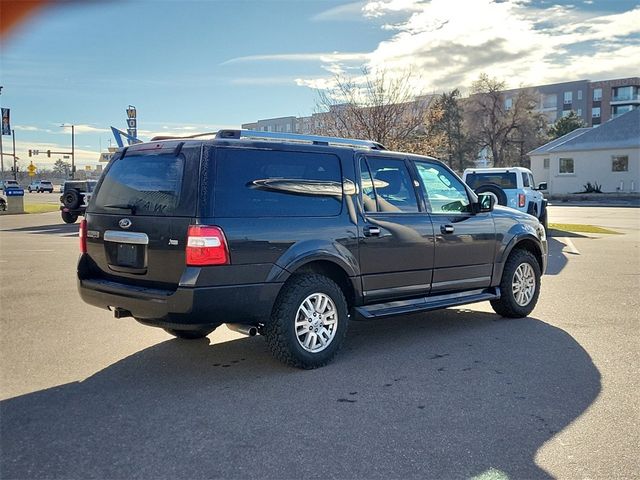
458 393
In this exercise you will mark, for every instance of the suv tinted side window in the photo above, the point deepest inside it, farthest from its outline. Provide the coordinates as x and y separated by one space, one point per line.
443 191
387 186
525 179
258 183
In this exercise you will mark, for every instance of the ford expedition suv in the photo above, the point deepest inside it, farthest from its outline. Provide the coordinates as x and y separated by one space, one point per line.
293 236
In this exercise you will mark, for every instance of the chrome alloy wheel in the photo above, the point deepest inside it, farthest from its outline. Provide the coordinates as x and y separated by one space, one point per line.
316 322
523 284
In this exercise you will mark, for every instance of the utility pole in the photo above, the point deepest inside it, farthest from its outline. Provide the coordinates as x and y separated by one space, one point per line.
73 153
15 169
73 149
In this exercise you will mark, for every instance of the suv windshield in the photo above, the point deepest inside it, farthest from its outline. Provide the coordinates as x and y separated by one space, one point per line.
502 179
143 185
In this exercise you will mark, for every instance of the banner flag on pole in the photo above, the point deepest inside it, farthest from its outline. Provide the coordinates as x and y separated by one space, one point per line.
6 122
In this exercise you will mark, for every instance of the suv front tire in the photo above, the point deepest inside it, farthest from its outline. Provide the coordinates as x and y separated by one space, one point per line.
309 321
520 285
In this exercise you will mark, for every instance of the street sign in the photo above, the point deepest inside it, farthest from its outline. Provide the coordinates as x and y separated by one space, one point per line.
31 167
14 192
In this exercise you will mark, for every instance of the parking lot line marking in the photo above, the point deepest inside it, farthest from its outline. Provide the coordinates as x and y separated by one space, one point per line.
570 247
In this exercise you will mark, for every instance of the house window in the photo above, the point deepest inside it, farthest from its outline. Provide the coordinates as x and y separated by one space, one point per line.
568 98
545 163
566 113
595 112
549 100
565 165
620 109
619 163
508 103
597 94
579 94
579 112
622 93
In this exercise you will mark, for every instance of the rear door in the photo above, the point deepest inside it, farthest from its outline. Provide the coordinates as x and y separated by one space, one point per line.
138 218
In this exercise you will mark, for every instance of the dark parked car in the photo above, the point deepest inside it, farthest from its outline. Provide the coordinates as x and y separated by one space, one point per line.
293 237
74 198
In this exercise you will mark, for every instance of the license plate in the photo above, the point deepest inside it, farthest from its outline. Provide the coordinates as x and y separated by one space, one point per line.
127 255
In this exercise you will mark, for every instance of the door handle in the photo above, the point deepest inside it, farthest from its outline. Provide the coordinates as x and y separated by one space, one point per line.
371 231
447 228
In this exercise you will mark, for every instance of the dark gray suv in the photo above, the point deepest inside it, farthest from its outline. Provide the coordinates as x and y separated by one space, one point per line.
293 237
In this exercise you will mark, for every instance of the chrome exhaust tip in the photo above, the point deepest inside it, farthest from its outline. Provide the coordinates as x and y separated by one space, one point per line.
249 330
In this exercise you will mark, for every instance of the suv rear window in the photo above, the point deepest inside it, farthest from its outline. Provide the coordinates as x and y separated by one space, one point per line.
258 183
502 179
44 182
151 184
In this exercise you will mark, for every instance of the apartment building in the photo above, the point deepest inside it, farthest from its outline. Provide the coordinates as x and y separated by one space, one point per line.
596 102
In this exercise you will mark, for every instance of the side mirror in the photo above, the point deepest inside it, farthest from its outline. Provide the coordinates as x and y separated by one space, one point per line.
486 202
542 186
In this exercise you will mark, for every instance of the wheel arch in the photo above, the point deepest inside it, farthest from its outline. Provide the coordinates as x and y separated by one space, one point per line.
332 268
526 242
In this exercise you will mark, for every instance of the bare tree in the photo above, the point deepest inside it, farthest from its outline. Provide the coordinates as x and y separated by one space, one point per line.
379 107
506 129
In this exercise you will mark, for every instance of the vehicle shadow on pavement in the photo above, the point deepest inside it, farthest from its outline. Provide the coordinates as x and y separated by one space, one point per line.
557 259
450 394
55 229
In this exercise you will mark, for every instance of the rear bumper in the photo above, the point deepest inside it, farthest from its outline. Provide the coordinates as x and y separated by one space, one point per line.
184 308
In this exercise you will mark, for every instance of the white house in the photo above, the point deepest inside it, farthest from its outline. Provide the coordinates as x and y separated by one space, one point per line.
608 155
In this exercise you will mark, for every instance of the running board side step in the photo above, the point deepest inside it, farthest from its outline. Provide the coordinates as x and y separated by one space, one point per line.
425 304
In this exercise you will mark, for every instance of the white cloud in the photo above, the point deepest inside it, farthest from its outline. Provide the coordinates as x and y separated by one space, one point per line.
451 44
342 13
300 57
85 129
83 156
447 44
29 128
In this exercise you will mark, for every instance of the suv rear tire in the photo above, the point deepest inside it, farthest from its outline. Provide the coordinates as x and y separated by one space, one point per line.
189 334
309 321
68 217
519 287
71 199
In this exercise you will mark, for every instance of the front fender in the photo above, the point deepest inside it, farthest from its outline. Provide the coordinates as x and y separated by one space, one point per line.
308 251
517 234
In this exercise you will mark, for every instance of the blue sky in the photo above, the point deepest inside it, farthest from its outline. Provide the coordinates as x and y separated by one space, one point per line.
191 66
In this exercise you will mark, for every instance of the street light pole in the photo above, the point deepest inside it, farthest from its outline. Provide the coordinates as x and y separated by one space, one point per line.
73 149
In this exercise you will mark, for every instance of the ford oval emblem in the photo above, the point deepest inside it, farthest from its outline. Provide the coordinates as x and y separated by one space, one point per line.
124 223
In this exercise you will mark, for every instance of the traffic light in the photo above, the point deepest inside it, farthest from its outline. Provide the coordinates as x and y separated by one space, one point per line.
29 152
49 153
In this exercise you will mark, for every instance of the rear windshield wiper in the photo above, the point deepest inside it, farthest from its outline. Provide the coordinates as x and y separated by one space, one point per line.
123 206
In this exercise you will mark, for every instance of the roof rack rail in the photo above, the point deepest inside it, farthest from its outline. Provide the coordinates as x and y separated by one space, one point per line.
298 138
176 137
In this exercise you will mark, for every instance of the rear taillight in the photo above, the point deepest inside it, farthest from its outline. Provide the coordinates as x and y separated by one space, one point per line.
82 233
206 245
521 200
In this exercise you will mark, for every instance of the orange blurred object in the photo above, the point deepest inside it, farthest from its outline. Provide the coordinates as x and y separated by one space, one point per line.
14 12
